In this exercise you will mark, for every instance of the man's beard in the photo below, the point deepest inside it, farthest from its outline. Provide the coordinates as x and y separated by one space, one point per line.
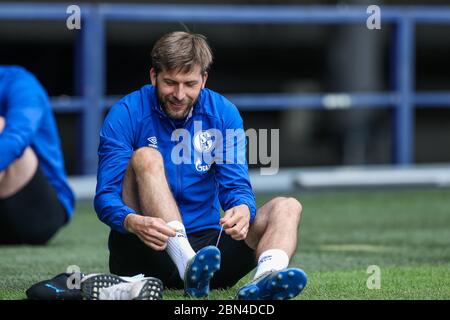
170 113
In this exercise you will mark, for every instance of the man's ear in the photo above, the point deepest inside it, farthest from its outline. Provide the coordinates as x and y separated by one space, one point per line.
153 76
204 77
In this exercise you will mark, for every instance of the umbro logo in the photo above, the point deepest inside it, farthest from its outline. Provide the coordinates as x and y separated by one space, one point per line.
153 142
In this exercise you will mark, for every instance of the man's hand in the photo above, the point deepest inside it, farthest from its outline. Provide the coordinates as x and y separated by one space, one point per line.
236 222
154 232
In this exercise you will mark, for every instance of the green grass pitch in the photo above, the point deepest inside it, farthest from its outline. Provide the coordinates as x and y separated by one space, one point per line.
406 233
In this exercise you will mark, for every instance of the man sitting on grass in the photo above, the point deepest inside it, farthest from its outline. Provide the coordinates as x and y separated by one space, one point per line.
161 195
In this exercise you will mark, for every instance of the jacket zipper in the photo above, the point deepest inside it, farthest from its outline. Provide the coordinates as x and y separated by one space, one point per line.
178 186
179 177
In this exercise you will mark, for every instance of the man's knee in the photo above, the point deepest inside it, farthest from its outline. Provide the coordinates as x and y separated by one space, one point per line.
287 207
147 159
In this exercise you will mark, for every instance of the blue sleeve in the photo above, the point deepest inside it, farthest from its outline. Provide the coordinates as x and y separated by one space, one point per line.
232 177
26 101
115 151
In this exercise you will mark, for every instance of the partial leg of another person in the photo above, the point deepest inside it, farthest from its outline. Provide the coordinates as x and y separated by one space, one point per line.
273 235
145 189
29 209
19 173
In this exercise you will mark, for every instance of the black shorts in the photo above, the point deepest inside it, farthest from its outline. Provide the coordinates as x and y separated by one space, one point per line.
33 214
130 256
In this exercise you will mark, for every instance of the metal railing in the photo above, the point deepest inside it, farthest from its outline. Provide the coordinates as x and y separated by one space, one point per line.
90 56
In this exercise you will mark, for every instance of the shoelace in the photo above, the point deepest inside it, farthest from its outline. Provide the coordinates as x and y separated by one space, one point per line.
121 291
220 234
135 278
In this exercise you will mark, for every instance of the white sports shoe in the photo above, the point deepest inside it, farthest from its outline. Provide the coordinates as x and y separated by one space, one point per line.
113 287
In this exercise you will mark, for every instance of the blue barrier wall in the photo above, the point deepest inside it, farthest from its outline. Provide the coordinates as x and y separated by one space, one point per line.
90 47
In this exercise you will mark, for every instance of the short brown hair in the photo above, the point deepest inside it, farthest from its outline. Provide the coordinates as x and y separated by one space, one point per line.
181 50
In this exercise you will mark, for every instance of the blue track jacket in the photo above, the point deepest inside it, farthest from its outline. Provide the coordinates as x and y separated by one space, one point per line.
205 169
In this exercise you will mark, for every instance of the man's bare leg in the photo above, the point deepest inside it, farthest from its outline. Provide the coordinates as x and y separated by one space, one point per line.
275 226
273 236
145 189
19 173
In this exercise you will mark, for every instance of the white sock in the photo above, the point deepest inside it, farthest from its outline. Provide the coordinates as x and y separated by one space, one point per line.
271 260
179 248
